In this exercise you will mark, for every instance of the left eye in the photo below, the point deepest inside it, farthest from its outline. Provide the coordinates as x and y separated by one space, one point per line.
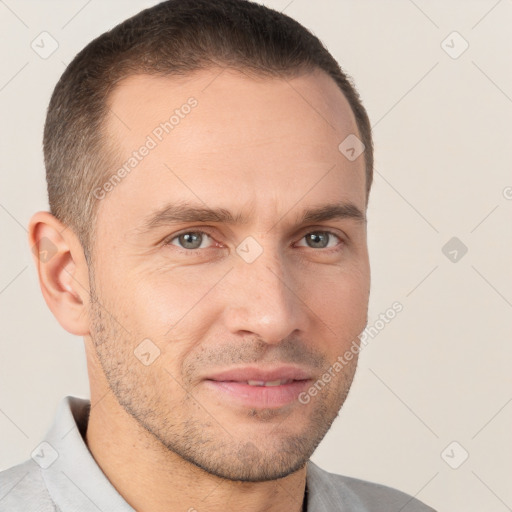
321 239
191 240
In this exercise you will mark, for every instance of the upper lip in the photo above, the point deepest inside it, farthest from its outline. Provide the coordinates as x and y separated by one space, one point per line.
246 373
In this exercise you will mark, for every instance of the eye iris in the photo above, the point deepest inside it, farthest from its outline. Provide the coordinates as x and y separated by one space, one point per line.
318 239
191 240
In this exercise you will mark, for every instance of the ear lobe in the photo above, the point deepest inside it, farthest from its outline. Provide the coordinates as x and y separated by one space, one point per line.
62 270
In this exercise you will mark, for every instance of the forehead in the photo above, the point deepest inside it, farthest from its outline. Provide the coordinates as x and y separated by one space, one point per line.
232 99
222 134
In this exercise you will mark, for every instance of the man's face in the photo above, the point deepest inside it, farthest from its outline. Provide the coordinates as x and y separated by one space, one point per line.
260 292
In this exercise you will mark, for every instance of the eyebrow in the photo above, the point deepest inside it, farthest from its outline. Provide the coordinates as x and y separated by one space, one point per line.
187 212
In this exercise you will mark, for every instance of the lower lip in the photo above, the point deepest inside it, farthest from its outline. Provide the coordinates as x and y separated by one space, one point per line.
259 396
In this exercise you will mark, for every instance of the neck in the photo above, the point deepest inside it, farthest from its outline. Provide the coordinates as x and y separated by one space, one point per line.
150 477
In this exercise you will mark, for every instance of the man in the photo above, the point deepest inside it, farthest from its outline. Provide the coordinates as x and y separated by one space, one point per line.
208 168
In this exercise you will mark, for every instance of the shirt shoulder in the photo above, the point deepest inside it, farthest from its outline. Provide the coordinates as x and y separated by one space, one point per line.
383 498
22 488
330 491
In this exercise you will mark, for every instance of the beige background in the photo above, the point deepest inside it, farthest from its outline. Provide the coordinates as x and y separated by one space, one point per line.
440 371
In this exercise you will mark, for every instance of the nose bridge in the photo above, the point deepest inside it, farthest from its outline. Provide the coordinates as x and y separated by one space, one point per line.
263 300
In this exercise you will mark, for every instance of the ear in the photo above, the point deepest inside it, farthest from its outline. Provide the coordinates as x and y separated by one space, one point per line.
63 271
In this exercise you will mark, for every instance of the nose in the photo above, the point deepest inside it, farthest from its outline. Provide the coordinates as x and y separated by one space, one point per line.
263 299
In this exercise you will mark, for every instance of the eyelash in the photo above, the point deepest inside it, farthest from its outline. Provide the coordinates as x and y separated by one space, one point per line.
168 241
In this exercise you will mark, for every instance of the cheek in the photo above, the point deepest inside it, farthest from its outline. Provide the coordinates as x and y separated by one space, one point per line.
170 299
174 308
340 300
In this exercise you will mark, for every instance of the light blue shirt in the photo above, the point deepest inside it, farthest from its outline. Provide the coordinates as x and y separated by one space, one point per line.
62 476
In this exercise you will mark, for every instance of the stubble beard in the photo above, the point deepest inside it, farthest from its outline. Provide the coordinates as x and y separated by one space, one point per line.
189 431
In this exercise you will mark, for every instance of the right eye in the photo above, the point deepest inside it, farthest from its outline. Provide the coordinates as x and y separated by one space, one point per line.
190 240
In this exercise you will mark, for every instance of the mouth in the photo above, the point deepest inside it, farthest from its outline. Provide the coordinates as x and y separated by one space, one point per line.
258 393
259 386
278 382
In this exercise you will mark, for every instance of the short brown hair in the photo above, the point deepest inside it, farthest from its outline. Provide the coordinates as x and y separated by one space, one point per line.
175 37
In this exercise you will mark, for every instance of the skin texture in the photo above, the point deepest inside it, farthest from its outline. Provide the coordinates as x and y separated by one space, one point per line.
263 148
